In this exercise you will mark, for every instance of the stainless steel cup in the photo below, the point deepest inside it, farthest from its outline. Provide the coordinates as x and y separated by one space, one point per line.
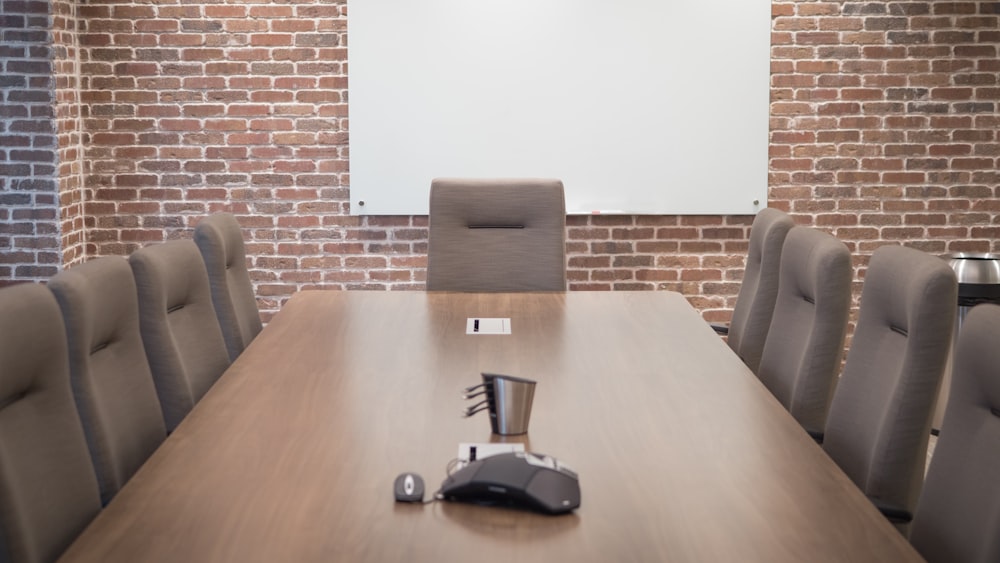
509 403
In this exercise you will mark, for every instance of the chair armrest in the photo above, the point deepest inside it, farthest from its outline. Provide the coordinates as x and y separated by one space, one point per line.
719 329
895 514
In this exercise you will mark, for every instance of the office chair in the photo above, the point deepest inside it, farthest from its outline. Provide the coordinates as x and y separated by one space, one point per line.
879 420
497 235
48 490
180 331
110 376
805 341
220 241
755 301
957 516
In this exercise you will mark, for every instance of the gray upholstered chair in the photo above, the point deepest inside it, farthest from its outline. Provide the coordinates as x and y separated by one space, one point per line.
180 331
880 416
220 241
110 375
48 491
801 357
497 235
755 301
956 518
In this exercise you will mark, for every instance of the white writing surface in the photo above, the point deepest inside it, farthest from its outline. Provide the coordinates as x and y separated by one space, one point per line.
637 106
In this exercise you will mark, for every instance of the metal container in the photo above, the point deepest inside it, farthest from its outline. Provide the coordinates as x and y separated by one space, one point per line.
979 271
512 408
978 277
508 400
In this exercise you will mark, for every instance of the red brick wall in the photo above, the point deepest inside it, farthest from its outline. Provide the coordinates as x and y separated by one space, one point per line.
883 131
195 107
66 69
29 230
883 122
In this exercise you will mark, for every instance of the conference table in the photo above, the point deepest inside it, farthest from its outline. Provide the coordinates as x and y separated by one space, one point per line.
682 454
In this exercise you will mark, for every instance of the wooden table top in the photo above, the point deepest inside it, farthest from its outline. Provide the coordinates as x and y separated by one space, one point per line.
682 454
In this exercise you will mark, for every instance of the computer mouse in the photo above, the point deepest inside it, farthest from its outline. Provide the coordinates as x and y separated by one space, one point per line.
409 487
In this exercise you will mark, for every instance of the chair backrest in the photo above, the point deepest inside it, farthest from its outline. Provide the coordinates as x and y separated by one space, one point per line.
805 342
956 518
179 328
48 491
497 235
110 375
880 416
220 241
759 288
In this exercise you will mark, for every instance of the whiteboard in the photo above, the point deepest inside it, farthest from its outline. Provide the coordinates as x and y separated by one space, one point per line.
638 106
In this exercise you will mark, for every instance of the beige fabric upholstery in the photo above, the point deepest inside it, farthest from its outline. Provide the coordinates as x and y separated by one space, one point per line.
112 384
759 288
880 417
220 241
958 515
497 235
48 491
805 342
179 328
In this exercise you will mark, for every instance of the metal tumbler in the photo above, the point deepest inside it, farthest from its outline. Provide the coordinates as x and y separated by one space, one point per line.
508 400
